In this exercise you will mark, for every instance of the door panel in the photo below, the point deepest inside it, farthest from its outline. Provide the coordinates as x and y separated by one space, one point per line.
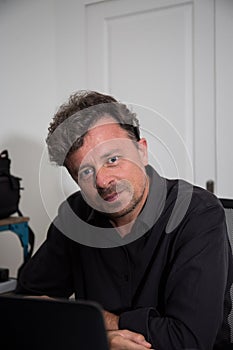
149 54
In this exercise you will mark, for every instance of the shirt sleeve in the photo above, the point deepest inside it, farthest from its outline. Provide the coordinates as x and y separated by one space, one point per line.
48 272
195 289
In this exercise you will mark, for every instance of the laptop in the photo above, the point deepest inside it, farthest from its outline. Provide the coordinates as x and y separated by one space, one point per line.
45 324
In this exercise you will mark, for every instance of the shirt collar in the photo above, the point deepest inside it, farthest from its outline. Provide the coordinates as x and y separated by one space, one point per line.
155 201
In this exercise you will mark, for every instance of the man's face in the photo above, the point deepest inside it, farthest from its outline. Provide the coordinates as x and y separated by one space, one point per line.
110 170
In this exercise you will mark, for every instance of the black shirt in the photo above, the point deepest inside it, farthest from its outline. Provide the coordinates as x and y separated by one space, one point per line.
169 279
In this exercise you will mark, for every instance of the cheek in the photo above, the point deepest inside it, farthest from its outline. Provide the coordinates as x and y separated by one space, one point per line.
88 188
137 176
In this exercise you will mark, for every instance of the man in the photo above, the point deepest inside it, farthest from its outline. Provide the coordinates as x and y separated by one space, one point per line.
153 252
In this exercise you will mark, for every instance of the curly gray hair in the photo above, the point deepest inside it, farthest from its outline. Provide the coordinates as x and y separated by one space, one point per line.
73 119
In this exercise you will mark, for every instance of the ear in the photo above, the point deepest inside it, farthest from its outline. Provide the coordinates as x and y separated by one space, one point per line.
143 151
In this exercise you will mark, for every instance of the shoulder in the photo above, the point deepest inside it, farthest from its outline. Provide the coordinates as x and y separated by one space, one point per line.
204 201
77 205
189 202
199 198
72 213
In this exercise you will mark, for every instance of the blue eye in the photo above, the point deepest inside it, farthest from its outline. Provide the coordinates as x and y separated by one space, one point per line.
86 173
113 160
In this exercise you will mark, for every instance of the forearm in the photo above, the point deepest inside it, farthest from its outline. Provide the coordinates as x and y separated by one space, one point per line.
111 321
165 333
146 327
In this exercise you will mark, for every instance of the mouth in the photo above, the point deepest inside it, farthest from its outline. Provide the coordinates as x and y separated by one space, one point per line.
112 194
111 197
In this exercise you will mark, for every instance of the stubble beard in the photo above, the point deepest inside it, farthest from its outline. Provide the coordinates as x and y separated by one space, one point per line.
133 204
112 210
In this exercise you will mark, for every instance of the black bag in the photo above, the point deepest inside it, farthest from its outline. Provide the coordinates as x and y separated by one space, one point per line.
10 196
9 188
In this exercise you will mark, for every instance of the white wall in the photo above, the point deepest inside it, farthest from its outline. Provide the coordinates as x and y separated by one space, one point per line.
39 68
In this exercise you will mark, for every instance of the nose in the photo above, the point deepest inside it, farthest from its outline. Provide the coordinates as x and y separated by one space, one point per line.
104 178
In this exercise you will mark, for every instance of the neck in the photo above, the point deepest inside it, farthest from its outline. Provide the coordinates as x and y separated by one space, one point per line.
123 229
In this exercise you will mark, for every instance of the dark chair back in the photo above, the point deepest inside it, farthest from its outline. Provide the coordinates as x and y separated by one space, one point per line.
228 207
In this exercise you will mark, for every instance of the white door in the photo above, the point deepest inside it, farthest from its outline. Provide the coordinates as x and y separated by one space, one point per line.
158 56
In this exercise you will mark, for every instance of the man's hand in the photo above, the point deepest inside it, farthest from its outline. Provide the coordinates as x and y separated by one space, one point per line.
122 339
127 340
111 321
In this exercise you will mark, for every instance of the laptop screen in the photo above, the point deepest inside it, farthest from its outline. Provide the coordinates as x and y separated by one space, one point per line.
32 323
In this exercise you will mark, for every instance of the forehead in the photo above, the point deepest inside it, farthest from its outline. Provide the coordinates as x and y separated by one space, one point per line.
103 132
104 136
